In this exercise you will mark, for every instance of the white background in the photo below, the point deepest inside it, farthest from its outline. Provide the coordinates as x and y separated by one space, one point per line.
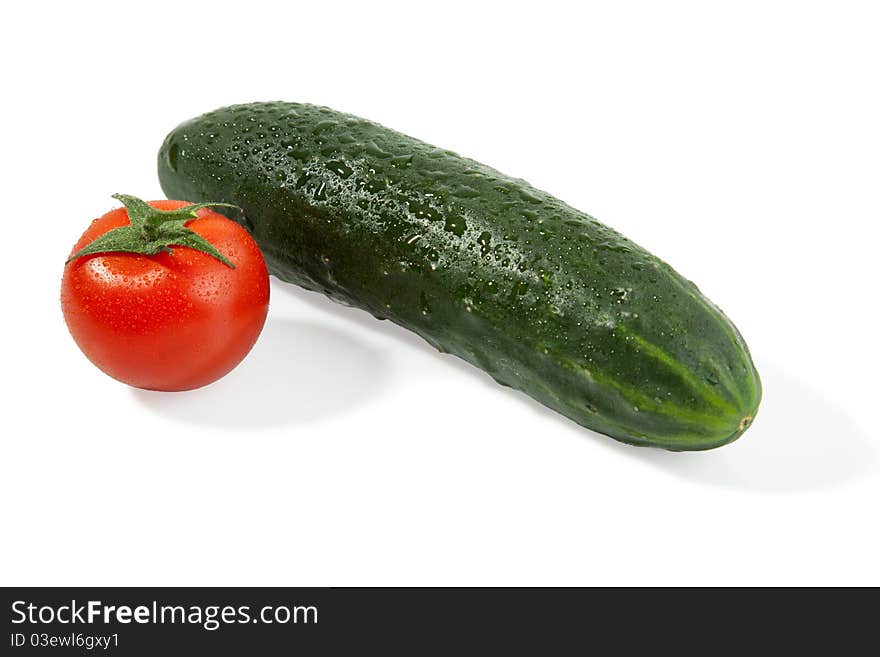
739 141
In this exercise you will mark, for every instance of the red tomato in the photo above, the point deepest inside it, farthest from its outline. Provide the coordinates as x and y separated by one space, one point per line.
170 321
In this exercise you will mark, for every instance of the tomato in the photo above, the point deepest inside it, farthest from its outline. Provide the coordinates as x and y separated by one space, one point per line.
173 320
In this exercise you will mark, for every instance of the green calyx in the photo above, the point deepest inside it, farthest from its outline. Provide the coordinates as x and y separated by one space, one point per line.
153 231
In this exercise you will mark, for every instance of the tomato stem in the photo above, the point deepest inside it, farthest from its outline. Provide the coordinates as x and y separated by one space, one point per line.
153 231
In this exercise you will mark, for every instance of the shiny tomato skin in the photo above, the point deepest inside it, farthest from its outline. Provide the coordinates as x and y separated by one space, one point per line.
170 321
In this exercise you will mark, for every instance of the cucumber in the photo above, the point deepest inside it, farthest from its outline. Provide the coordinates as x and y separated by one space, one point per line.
541 296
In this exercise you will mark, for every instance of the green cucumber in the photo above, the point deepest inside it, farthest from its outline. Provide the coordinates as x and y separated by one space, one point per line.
541 296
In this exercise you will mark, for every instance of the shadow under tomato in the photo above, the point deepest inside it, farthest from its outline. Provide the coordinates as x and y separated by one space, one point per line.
297 373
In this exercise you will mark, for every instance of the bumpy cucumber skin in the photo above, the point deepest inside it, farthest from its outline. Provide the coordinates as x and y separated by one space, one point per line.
541 296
